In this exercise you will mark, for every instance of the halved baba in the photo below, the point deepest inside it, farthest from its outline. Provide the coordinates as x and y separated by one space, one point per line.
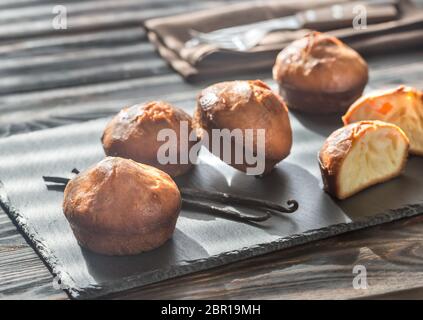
360 155
402 106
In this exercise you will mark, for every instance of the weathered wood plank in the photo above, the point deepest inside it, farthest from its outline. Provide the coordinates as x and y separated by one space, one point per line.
76 59
5 4
95 92
116 16
10 238
75 8
108 95
90 74
30 281
391 253
59 43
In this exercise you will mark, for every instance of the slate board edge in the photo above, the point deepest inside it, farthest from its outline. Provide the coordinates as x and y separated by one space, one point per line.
127 283
37 243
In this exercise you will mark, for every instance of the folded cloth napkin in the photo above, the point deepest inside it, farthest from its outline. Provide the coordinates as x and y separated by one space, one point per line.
170 34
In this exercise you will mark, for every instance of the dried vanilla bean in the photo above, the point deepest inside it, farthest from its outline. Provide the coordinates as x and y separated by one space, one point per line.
231 199
198 204
201 199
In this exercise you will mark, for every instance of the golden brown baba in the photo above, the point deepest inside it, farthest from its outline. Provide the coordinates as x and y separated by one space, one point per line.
320 74
121 207
360 155
132 134
402 106
246 105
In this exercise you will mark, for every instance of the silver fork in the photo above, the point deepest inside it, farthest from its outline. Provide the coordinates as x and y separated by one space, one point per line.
245 37
241 38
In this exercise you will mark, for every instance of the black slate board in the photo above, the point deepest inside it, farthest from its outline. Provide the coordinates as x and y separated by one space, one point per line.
201 241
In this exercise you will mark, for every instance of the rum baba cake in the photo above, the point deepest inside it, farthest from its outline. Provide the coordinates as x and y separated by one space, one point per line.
360 155
121 207
246 105
402 106
320 74
133 134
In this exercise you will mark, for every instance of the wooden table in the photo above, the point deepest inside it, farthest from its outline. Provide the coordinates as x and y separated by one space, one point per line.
103 62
